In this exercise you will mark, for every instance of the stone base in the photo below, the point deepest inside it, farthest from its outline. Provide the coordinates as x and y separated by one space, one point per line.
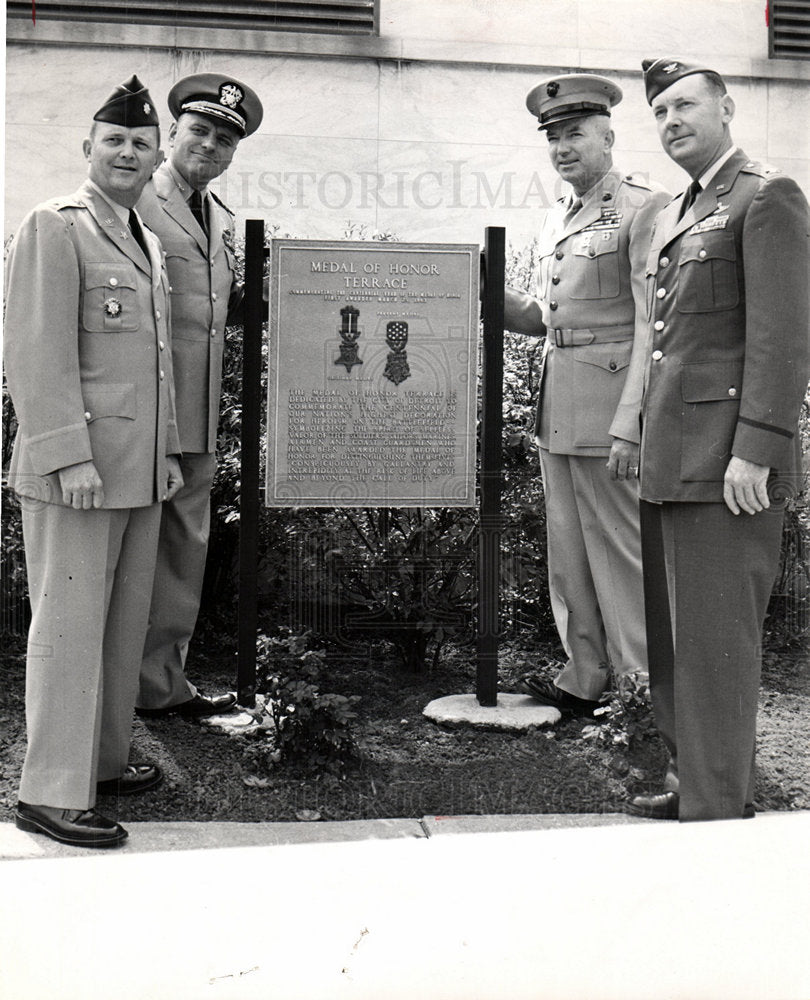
513 712
239 720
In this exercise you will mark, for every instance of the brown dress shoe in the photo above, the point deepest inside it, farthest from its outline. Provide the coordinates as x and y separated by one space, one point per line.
79 827
136 778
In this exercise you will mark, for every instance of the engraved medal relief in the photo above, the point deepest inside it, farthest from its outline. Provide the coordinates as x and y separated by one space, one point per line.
396 367
349 332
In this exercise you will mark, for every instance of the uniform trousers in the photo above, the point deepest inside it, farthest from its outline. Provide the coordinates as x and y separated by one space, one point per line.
594 567
708 575
90 583
184 529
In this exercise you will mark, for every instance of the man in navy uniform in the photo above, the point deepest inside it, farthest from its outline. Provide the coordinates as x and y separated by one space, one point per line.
89 371
213 113
725 377
590 306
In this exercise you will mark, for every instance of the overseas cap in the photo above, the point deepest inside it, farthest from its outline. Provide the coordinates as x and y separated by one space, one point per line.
662 73
572 95
129 105
219 97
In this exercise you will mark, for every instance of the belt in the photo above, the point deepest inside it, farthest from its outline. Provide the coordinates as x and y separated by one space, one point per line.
598 335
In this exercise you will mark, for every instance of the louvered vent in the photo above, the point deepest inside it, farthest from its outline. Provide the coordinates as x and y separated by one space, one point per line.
342 17
789 29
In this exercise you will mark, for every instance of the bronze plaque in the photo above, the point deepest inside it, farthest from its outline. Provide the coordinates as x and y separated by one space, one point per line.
372 374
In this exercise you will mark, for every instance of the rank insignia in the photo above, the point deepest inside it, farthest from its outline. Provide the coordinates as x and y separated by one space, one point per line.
396 366
147 108
112 308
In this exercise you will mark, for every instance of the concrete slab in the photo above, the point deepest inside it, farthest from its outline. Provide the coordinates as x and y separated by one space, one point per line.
442 825
146 838
513 712
641 911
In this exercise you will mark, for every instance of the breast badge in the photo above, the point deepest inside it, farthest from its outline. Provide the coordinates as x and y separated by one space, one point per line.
112 308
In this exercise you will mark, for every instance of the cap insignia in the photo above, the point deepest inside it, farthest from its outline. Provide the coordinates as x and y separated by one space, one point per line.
230 95
552 88
147 108
670 67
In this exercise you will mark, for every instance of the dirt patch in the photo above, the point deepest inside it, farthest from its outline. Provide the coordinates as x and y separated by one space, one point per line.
408 766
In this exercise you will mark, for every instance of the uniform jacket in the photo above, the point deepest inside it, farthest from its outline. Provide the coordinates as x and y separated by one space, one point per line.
728 289
205 296
87 351
590 290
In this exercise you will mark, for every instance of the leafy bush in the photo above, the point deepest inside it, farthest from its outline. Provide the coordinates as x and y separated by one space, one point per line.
302 723
626 713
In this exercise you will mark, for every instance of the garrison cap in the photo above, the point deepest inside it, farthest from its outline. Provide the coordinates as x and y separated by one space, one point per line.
219 97
662 73
572 95
129 105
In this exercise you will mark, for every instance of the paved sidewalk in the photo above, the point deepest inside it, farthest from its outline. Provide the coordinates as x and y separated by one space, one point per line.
443 908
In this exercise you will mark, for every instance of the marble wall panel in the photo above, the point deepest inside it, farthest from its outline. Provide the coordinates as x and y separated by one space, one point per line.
787 117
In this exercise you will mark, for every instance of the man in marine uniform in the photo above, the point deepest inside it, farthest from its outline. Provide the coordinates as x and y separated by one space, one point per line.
726 374
89 371
212 113
590 306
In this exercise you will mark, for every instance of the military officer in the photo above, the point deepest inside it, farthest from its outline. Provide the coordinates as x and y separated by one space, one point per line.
727 275
590 305
89 371
213 113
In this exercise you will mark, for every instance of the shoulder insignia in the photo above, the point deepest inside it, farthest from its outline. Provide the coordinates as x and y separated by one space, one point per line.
222 204
760 169
59 203
637 180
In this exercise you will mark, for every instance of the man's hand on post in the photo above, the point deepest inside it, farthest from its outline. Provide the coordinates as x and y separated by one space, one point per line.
174 477
623 459
745 486
81 486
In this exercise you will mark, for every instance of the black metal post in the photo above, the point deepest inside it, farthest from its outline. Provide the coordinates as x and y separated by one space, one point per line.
249 487
489 541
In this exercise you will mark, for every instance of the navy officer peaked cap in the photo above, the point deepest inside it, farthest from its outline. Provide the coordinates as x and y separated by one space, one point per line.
219 97
129 105
662 73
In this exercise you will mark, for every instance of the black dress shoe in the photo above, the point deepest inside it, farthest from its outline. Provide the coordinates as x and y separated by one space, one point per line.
665 805
197 707
136 778
549 694
79 827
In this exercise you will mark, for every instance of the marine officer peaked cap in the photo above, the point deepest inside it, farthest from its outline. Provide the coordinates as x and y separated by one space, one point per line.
129 105
572 95
219 97
662 73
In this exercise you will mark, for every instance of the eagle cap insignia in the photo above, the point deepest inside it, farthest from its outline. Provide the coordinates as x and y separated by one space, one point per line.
230 95
553 88
670 67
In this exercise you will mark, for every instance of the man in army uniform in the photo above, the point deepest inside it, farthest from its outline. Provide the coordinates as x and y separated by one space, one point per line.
590 306
726 373
212 114
89 371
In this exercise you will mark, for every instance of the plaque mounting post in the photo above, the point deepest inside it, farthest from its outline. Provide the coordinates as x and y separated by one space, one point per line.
489 540
249 485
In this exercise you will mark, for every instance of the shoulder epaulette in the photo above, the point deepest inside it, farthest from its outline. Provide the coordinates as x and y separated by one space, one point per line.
637 180
222 204
69 202
760 169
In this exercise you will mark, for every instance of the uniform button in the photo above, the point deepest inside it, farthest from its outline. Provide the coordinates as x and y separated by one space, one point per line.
732 391
170 288
659 324
161 376
555 279
157 313
657 355
559 254
113 282
213 296
661 293
591 252
552 306
165 495
664 261
213 332
701 253
87 415
613 366
161 345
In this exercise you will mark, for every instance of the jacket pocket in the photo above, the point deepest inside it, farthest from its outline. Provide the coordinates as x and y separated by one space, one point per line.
109 298
707 279
596 265
710 392
600 371
112 399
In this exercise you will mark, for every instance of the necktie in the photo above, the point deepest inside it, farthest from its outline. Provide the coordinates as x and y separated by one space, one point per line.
689 197
198 210
137 232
